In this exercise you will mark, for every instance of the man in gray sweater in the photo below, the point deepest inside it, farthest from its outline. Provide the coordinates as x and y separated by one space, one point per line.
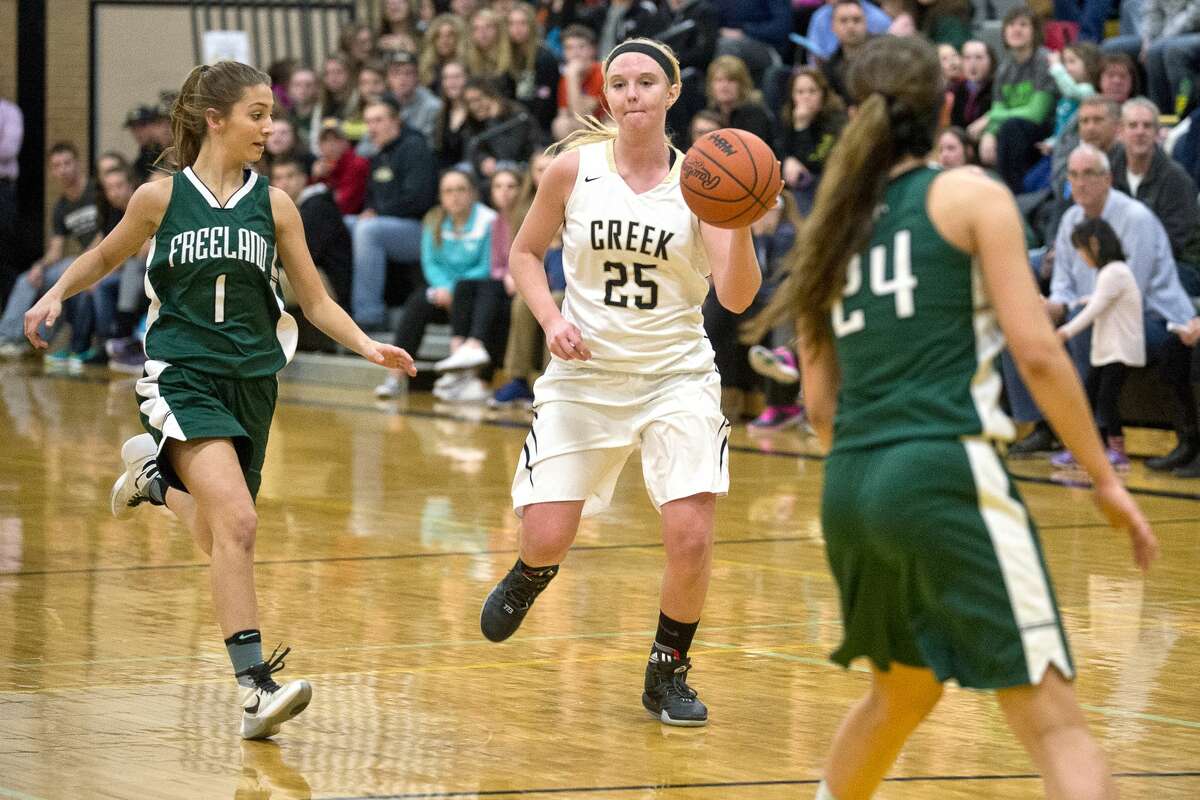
1143 170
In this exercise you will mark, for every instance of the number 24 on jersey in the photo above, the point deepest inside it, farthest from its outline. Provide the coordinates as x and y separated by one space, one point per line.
900 285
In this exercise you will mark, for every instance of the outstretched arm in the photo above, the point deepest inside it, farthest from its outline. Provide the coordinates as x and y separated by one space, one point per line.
736 274
316 303
145 212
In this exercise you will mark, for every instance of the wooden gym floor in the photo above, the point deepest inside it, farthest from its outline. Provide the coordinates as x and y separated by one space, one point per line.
383 526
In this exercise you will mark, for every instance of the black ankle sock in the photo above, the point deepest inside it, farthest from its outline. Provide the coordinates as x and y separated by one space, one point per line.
123 325
156 490
536 573
673 638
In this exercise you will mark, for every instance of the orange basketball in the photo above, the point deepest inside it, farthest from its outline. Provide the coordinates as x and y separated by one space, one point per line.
730 178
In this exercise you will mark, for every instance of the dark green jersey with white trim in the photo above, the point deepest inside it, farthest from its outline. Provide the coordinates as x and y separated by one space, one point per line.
915 334
213 282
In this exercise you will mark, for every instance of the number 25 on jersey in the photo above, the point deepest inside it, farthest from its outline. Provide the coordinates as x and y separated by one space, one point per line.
900 285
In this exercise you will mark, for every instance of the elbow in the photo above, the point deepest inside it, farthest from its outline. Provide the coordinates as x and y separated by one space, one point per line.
821 421
820 416
737 304
1037 360
739 298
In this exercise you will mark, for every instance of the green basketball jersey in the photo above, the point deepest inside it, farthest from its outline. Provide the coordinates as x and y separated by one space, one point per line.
213 281
915 335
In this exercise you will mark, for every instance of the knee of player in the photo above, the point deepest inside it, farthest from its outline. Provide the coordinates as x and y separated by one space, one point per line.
691 545
237 528
547 540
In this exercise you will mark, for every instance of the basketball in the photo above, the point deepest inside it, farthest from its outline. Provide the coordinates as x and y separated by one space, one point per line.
730 178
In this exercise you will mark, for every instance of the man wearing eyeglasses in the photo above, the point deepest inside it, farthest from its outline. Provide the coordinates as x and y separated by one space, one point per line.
1172 327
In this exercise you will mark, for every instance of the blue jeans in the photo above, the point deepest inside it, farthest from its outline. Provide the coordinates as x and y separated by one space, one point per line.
1131 18
376 241
1158 345
1169 62
120 290
1020 401
24 296
1129 44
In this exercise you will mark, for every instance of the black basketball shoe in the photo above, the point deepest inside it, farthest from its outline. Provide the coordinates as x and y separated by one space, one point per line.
509 602
668 695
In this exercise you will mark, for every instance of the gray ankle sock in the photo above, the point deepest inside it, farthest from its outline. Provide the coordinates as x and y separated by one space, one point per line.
156 490
245 650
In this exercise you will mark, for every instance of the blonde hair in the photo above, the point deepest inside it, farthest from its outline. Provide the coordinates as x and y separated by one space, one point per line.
218 86
594 130
523 58
430 63
735 69
488 64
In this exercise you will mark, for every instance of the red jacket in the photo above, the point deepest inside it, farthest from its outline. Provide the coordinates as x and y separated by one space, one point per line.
348 182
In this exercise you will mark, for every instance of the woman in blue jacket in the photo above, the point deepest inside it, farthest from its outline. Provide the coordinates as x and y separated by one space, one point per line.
455 245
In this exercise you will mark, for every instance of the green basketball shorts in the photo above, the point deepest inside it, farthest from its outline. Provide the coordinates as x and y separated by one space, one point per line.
183 404
938 565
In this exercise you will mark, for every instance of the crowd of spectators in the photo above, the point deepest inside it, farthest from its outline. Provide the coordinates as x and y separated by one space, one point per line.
413 152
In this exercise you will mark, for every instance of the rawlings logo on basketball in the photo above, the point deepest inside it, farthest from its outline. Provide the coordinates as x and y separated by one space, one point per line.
691 169
722 144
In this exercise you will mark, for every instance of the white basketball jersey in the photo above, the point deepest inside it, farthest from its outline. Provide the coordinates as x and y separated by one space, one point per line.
636 270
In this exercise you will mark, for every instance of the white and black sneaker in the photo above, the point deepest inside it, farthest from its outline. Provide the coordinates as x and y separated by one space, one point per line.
140 455
267 705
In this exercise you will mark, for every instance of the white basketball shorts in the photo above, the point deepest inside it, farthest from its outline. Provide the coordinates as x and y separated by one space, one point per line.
586 423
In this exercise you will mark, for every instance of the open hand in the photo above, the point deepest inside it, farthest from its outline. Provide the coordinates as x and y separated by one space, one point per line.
390 356
1122 512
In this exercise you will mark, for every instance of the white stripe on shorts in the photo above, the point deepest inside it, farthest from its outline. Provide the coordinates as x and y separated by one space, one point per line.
155 406
1024 577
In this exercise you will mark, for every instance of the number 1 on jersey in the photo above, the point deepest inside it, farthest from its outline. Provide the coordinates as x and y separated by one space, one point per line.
900 285
219 301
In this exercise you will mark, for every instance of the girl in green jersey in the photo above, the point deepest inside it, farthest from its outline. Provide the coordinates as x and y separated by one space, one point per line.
217 334
909 278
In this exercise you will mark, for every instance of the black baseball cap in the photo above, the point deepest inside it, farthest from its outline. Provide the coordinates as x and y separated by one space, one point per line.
143 114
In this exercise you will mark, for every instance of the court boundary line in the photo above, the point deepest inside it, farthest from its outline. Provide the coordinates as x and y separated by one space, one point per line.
524 425
795 454
436 795
383 557
462 553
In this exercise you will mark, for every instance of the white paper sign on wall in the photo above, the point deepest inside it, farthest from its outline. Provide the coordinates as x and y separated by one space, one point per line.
227 44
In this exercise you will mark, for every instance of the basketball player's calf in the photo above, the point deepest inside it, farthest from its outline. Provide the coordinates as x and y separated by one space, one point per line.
687 539
266 705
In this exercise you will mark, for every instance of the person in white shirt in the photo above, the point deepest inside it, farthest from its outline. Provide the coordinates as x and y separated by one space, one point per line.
1114 312
632 367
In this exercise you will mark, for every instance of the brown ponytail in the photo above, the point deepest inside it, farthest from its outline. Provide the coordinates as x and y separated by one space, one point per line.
897 83
217 87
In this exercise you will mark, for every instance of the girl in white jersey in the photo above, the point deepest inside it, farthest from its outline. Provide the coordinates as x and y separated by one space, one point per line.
631 364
